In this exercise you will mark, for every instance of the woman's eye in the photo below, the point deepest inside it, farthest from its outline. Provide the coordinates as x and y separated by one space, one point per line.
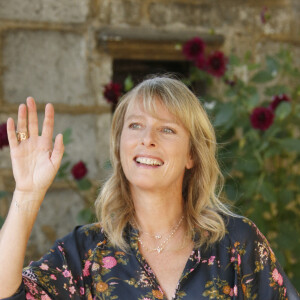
134 126
168 130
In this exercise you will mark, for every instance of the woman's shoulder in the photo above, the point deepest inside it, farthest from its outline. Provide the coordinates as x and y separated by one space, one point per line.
84 237
239 228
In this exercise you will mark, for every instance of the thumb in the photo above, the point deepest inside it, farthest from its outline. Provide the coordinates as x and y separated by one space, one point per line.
58 151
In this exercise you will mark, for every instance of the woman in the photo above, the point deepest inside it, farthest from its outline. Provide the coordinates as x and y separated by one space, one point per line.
164 233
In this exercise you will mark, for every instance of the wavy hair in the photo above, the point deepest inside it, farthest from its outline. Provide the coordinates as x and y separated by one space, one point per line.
202 183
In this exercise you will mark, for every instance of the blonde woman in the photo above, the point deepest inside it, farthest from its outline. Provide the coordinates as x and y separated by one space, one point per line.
163 232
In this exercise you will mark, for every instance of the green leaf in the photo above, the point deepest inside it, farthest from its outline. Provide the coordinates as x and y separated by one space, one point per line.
272 151
67 136
128 83
107 165
63 169
252 67
225 113
272 64
276 90
248 55
234 60
267 191
85 216
84 184
2 194
291 145
283 110
253 100
286 236
248 165
262 77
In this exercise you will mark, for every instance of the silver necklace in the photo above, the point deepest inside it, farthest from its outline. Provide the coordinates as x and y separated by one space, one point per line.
163 244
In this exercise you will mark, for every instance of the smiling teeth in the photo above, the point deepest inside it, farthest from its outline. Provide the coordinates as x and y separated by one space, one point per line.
148 161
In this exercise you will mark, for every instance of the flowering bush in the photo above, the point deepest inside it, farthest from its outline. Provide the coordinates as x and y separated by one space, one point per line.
255 110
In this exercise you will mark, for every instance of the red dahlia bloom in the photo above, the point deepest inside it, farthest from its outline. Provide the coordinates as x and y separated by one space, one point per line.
262 118
79 170
112 92
193 48
276 100
3 136
216 64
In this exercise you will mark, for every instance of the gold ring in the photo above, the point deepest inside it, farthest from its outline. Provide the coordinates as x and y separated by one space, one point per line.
22 136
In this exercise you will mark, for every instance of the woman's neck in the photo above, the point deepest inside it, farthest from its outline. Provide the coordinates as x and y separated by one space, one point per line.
157 212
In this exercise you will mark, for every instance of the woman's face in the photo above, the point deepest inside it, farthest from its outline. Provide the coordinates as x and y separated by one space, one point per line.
154 150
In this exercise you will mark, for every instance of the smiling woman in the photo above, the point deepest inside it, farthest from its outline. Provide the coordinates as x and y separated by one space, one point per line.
163 231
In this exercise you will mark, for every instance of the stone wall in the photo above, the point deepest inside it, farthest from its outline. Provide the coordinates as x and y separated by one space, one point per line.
50 50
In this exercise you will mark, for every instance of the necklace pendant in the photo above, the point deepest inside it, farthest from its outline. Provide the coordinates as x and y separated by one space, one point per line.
158 249
158 237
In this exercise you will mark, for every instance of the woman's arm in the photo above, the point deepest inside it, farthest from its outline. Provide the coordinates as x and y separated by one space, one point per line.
35 163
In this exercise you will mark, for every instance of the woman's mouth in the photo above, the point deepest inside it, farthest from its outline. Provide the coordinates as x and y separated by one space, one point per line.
148 161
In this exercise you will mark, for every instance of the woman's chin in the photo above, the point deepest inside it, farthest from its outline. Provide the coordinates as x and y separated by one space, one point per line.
148 185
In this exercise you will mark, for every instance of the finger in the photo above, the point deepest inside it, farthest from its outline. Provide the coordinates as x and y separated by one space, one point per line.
58 151
33 125
11 133
22 116
48 123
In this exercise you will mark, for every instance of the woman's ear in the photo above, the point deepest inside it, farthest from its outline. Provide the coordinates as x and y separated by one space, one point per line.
190 162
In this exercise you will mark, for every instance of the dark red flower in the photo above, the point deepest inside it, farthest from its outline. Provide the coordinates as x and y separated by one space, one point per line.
193 48
276 100
3 136
112 92
79 170
201 62
265 15
262 118
216 64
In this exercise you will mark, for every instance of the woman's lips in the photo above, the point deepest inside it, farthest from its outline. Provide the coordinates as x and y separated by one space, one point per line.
148 161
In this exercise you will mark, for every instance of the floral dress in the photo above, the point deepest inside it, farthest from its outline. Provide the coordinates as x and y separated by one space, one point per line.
84 265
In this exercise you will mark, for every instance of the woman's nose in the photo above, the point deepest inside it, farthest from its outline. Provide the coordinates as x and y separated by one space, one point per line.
148 138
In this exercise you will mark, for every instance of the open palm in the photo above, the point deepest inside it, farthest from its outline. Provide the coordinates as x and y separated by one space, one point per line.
35 161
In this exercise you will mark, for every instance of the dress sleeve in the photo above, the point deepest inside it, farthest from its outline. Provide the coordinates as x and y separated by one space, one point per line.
57 275
260 274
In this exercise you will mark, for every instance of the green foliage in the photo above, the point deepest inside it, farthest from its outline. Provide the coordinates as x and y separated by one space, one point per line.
261 167
84 184
128 83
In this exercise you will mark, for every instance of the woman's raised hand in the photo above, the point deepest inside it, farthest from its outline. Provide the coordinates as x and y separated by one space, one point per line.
35 161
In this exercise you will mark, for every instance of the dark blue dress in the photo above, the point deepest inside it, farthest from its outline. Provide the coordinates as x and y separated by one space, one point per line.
84 265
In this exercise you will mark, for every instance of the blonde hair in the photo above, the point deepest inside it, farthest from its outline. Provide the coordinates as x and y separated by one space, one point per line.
202 183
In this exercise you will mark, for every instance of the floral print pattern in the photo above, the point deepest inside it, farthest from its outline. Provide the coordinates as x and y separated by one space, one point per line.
84 265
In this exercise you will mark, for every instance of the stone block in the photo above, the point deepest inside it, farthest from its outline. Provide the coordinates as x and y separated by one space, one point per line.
101 74
57 217
50 66
223 17
88 143
63 11
123 12
190 14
